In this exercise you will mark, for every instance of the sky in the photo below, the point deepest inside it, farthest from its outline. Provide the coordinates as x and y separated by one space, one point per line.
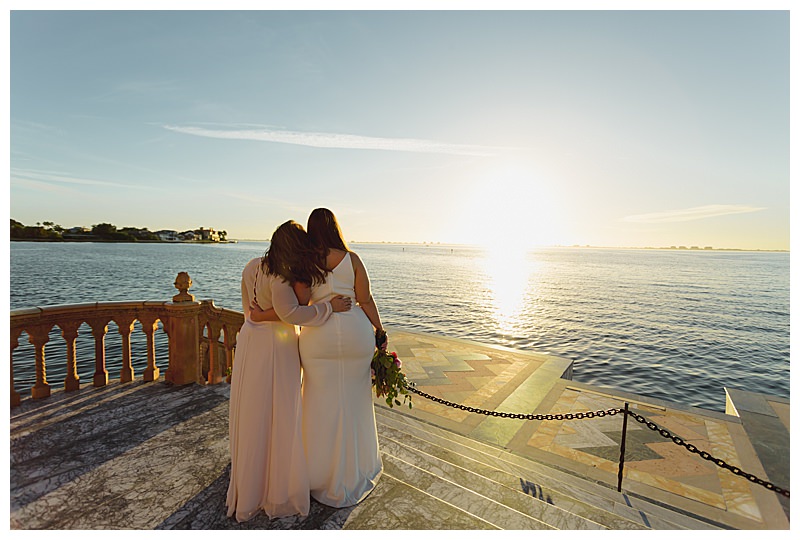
493 127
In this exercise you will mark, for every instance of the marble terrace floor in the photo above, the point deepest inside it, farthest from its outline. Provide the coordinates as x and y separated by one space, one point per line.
46 492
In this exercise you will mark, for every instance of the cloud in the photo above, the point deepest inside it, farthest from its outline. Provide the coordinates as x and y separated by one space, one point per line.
691 214
338 140
29 175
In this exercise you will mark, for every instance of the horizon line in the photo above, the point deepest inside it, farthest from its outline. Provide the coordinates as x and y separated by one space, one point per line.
571 246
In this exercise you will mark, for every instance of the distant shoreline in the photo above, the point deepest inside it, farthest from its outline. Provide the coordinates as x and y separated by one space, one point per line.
423 244
109 241
437 244
444 244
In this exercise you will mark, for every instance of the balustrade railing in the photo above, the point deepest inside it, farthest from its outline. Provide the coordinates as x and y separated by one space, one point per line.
193 329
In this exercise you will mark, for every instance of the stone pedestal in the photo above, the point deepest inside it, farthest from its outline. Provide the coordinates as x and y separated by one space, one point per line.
184 342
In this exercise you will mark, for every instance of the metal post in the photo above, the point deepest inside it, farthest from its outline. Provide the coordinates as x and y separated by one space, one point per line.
622 447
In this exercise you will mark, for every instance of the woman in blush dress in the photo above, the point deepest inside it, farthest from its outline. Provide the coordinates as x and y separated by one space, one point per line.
339 433
268 465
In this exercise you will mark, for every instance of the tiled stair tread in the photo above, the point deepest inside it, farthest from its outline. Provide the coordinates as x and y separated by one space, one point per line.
627 506
495 456
395 505
501 482
558 517
463 497
604 511
562 491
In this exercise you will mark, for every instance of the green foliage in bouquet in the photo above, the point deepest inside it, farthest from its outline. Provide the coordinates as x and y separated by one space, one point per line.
388 380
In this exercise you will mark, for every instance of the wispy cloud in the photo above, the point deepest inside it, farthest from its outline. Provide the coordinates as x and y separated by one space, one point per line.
691 214
60 178
338 140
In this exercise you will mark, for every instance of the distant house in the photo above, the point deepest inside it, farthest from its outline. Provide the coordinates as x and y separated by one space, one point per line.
207 234
80 230
187 235
167 235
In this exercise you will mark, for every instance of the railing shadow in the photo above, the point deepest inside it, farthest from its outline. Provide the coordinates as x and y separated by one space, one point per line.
57 453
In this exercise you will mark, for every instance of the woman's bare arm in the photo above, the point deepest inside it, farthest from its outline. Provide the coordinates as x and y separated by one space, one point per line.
364 294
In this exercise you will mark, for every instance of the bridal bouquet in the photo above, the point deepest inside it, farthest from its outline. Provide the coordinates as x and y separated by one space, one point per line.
387 379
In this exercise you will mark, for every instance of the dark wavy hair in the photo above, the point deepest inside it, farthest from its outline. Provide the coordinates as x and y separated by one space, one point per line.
290 256
324 232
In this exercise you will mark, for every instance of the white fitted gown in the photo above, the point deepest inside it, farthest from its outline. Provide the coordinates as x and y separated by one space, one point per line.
268 465
339 432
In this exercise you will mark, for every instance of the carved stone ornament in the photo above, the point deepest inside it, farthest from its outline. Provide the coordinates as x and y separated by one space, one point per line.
183 282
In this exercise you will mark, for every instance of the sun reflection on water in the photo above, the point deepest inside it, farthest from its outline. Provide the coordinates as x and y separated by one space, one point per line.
510 280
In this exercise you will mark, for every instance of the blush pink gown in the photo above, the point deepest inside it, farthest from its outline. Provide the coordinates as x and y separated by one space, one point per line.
268 464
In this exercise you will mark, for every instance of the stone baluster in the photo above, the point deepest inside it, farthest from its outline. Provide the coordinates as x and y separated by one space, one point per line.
149 326
69 331
16 399
183 327
230 346
99 331
214 371
38 336
125 325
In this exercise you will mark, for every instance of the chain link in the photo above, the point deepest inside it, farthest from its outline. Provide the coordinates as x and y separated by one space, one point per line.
610 412
568 416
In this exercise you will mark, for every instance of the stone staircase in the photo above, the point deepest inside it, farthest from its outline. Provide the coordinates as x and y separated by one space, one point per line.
154 456
437 479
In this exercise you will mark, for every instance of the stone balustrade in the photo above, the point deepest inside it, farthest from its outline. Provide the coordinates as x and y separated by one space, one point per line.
193 329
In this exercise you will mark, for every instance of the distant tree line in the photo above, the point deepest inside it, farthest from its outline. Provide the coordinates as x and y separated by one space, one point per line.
42 231
47 230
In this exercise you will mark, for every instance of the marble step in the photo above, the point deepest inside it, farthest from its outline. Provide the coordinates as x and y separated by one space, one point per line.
396 505
562 494
548 481
499 515
550 514
558 509
499 458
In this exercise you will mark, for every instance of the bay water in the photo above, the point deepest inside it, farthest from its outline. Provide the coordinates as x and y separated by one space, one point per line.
678 325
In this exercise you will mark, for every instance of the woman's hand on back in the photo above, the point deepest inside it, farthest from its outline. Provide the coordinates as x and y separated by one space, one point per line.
341 303
262 315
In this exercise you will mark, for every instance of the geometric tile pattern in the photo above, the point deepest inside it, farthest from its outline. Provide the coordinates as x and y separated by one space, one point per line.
458 372
650 458
486 377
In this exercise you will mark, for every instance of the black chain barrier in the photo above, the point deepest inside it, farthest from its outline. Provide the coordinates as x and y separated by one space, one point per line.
610 412
568 416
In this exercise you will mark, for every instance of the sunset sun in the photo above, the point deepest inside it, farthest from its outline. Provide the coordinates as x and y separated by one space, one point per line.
512 209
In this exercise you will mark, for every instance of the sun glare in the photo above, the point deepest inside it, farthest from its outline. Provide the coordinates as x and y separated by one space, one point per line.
511 209
510 213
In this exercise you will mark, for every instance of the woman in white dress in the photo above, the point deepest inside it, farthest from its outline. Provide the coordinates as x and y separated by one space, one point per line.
268 465
339 433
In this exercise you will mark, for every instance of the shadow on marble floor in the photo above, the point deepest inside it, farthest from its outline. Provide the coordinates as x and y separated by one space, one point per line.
83 433
207 511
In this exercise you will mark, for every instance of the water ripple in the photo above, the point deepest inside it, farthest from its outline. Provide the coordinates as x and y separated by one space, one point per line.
677 326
